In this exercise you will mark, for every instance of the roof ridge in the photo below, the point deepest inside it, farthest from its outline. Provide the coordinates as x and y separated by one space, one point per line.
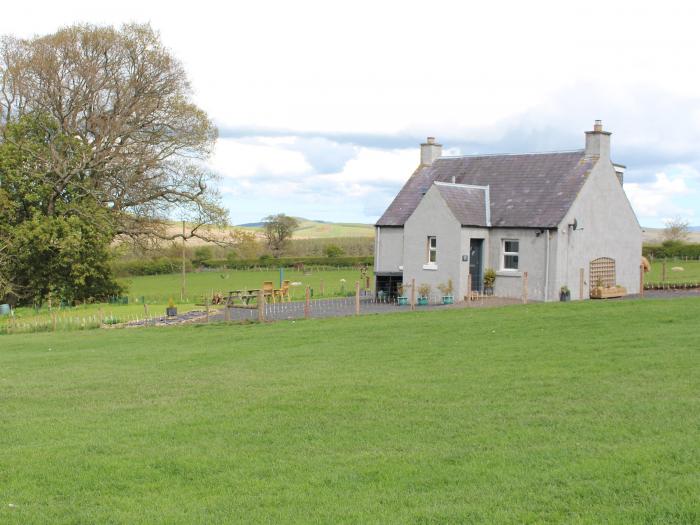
476 155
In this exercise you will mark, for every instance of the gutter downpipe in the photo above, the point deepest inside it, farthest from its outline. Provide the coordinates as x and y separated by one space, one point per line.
546 269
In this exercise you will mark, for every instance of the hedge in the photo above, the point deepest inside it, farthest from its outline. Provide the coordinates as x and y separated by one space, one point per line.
158 266
659 251
288 262
164 265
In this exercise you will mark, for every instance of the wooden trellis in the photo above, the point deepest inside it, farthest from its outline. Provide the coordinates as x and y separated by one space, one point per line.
602 272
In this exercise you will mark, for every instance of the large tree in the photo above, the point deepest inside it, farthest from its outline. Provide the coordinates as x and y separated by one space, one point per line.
278 231
99 138
126 101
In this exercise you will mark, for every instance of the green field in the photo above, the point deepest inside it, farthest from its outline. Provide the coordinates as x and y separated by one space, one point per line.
157 288
575 413
689 274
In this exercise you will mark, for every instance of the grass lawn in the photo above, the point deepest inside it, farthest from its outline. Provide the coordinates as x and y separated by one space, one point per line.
690 273
577 413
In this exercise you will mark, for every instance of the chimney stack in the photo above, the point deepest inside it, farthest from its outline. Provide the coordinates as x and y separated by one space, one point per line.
598 142
429 151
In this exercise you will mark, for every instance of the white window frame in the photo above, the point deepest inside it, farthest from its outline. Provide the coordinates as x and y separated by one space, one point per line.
505 254
432 249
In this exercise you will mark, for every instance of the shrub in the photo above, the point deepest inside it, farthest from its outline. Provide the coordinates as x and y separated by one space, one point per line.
333 250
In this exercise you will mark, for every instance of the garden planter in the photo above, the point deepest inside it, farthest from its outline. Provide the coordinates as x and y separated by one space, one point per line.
488 290
608 292
448 299
171 311
403 301
422 301
565 296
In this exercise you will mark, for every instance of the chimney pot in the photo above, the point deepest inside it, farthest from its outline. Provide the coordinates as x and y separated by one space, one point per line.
598 126
431 140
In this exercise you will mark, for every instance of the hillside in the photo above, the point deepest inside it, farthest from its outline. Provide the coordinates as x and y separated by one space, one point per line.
656 235
310 229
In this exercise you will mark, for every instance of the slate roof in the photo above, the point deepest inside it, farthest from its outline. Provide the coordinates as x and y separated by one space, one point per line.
533 190
468 203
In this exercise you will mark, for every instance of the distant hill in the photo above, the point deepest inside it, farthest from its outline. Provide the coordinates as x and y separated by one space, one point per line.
656 235
310 229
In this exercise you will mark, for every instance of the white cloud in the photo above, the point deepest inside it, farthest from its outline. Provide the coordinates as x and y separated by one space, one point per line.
660 199
234 159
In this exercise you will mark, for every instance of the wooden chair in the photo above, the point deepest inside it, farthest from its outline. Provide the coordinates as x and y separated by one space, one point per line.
283 292
268 290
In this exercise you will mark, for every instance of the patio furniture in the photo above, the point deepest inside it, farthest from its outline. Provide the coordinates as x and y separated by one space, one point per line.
283 292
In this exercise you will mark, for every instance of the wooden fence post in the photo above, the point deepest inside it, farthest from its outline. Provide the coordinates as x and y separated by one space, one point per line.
261 306
307 304
413 294
524 287
469 287
641 280
357 297
580 284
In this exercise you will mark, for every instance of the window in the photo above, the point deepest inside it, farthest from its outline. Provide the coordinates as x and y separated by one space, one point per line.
432 250
511 248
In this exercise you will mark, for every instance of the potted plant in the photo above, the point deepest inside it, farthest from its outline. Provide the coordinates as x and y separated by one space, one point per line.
489 280
171 310
446 289
564 294
402 299
423 294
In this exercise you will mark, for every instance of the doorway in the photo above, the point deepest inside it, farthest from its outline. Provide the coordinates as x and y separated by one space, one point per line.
476 270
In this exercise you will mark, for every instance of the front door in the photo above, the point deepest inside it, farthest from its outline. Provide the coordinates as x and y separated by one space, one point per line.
476 248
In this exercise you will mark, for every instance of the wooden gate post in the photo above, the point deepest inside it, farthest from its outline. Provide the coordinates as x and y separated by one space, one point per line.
469 287
524 287
261 306
307 304
357 297
641 280
413 294
580 284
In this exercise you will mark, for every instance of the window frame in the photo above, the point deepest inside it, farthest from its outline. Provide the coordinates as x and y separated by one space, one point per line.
432 250
505 254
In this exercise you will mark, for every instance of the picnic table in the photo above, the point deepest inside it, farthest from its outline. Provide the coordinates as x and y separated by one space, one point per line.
245 296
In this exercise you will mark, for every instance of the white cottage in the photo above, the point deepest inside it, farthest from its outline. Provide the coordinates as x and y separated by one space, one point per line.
562 217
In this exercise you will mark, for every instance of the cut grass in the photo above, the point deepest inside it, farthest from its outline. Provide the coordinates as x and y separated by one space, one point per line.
577 413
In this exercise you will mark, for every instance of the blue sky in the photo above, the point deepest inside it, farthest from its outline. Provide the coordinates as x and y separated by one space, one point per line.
321 106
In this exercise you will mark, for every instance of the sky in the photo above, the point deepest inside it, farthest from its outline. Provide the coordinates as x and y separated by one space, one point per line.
321 106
